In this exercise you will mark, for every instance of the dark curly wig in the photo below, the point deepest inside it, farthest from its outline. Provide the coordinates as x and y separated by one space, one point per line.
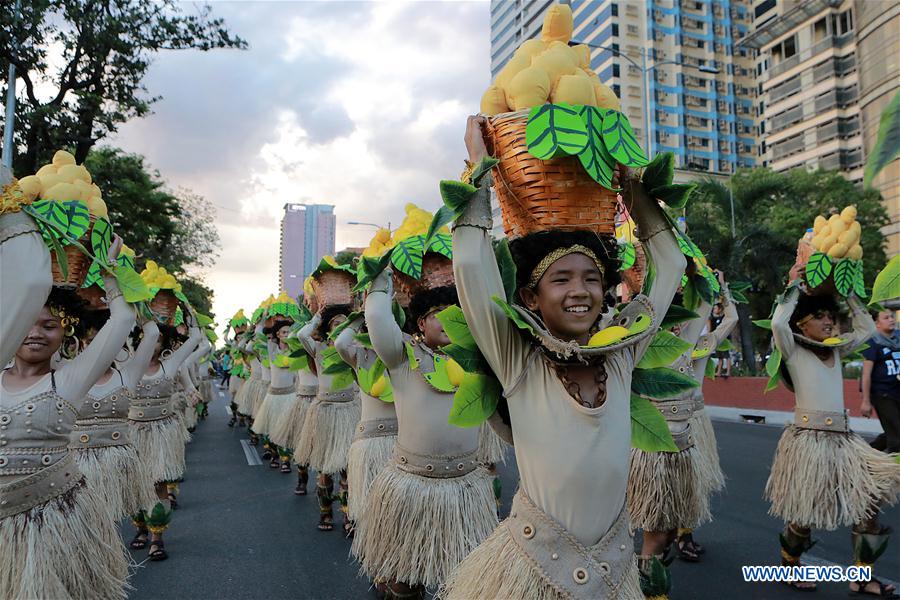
279 323
529 250
424 301
808 305
329 313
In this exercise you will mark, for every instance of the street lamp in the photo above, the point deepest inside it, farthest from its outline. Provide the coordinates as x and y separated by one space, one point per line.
645 72
375 225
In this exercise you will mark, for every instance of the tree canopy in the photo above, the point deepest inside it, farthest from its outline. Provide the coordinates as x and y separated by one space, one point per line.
82 63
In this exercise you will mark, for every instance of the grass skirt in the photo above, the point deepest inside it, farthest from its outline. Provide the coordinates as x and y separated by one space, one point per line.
273 409
327 435
244 396
498 568
705 440
190 416
416 530
258 394
368 457
235 384
286 432
160 448
64 548
491 448
665 490
114 472
826 479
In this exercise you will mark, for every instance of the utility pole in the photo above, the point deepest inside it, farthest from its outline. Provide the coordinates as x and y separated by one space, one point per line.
10 103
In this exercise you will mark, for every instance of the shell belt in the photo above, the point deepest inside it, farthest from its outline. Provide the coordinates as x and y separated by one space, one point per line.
38 488
375 428
435 466
822 420
347 395
99 433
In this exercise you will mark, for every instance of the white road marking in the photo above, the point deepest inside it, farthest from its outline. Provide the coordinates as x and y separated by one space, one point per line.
815 561
228 410
250 452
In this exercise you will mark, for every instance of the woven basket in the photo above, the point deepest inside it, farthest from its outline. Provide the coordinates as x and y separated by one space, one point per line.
94 297
333 287
827 287
437 272
164 305
79 263
634 277
540 195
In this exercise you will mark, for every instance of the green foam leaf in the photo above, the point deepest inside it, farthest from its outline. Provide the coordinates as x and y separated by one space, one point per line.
664 349
649 431
620 140
475 400
555 130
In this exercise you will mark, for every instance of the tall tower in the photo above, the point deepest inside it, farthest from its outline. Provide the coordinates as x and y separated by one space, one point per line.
677 58
307 234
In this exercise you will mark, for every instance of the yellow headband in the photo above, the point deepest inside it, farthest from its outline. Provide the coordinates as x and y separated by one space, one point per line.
557 254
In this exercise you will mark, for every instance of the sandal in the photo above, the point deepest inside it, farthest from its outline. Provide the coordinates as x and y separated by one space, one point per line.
274 463
139 541
349 529
801 586
159 553
686 550
884 591
326 523
173 501
286 467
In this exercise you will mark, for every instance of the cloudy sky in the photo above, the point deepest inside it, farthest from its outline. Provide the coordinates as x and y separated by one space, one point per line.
357 104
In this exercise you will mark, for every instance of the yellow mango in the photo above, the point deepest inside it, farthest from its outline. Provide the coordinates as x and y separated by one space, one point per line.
96 190
531 48
819 223
827 243
825 231
97 207
558 24
378 387
848 238
61 192
47 170
848 215
68 173
608 336
838 227
555 62
583 53
833 219
573 89
510 70
455 372
832 341
151 265
30 186
493 101
838 250
63 158
855 252
606 97
816 242
531 87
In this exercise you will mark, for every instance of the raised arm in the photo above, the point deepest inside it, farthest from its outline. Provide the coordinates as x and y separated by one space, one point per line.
133 370
173 363
305 335
346 343
863 327
76 377
693 329
185 378
387 339
781 322
662 251
729 319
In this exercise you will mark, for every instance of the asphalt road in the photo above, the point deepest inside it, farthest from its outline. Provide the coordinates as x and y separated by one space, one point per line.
241 533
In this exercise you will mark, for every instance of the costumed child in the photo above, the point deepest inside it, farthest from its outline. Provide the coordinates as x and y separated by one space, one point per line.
568 534
101 441
823 475
238 324
434 493
158 433
330 421
56 535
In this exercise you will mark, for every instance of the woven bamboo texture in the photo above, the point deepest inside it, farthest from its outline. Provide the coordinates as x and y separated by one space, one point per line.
540 195
79 263
333 287
437 272
164 305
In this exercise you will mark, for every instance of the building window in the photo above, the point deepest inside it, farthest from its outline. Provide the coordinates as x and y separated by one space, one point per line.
615 9
615 30
615 69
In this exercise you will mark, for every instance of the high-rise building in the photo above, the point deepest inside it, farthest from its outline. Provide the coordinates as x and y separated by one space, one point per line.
678 58
307 234
807 73
878 54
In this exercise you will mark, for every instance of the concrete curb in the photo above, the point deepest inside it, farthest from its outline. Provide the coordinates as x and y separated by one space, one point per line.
777 418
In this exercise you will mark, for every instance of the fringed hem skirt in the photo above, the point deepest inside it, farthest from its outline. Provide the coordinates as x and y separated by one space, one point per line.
327 435
115 473
160 447
244 397
286 432
258 394
711 473
67 547
828 479
274 408
416 530
491 447
367 458
665 490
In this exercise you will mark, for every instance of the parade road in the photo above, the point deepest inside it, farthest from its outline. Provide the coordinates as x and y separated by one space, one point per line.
241 533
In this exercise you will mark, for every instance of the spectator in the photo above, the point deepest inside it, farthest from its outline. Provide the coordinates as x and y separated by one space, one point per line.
881 381
227 363
723 366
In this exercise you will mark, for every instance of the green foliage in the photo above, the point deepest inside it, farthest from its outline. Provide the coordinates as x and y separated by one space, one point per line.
475 400
675 195
101 239
764 323
368 269
649 431
660 172
818 269
131 285
660 383
620 141
627 255
513 316
887 145
677 314
595 158
773 369
887 283
441 243
438 379
83 64
555 130
407 256
456 327
663 350
507 268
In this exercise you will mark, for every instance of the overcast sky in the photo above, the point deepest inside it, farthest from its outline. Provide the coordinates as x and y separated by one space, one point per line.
357 104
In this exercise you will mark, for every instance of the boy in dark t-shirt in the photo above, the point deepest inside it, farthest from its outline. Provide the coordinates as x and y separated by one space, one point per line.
881 380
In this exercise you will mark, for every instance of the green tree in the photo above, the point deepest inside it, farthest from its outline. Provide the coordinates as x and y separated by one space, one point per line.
174 229
82 63
771 212
346 257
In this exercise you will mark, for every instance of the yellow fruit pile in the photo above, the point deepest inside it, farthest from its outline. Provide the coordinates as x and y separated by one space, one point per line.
126 251
416 222
64 180
156 276
548 69
283 298
838 236
308 291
